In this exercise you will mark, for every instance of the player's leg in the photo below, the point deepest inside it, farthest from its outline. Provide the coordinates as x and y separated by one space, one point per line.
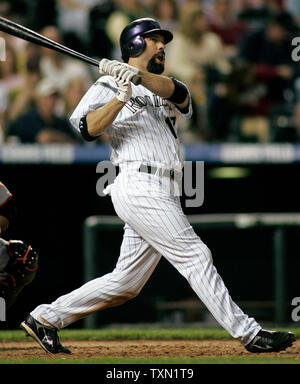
159 219
136 263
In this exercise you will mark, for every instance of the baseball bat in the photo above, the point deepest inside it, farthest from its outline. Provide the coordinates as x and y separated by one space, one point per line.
27 34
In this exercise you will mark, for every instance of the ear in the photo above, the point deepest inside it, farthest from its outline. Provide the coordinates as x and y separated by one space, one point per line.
137 46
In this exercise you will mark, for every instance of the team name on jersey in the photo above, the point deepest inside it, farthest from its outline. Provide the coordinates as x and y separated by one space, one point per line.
138 102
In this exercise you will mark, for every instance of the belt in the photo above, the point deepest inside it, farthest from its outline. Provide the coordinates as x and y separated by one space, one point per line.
171 173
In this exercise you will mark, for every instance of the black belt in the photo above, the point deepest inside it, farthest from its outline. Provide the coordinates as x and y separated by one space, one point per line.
166 172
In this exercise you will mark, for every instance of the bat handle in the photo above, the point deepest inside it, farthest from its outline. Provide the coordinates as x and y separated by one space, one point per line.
136 80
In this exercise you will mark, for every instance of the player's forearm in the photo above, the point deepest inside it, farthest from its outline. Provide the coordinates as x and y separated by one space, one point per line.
102 118
161 85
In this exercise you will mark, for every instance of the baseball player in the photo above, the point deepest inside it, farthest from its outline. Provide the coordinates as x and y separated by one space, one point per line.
141 122
18 261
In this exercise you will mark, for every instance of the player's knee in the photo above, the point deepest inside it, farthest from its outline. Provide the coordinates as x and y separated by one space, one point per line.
200 258
131 294
121 298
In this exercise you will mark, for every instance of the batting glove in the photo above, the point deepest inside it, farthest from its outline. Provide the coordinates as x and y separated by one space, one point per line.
123 80
106 66
114 67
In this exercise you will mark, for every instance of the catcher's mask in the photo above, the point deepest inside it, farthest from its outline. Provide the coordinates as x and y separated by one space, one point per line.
132 41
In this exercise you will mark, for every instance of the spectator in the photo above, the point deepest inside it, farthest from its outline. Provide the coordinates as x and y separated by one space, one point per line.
98 40
296 124
293 7
57 66
25 97
256 13
235 100
11 83
125 12
223 21
166 12
262 77
195 48
41 13
197 57
73 93
268 50
17 12
73 21
10 77
41 124
73 16
3 108
5 8
285 126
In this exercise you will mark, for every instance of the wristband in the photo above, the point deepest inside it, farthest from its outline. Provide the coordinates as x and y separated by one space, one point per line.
84 130
180 92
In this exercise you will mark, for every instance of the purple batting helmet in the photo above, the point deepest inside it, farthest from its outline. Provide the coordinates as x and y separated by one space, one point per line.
132 41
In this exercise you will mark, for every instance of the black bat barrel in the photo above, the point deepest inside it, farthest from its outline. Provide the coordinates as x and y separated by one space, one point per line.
27 34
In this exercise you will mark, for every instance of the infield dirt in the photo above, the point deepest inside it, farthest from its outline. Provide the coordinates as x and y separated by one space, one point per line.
137 349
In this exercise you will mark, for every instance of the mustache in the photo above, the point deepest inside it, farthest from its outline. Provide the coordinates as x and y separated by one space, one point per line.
161 53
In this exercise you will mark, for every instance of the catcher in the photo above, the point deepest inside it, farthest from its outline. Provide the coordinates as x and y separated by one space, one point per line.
18 261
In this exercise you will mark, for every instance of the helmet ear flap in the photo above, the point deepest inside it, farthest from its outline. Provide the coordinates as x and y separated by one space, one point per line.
136 46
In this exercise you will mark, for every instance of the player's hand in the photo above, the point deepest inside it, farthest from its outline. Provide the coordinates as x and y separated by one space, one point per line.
114 67
106 66
123 81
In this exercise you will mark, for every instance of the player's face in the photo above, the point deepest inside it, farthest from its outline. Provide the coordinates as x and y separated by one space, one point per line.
155 53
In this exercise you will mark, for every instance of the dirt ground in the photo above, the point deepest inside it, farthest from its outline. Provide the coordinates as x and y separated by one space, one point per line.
136 348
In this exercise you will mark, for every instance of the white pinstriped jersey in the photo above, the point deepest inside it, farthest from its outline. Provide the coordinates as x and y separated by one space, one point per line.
145 129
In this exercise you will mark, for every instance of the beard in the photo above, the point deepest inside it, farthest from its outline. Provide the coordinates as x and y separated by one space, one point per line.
154 67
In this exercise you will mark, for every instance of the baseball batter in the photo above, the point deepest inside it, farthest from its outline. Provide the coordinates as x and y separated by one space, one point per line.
18 261
141 122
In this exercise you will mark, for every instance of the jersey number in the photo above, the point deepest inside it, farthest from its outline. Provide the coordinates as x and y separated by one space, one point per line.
171 122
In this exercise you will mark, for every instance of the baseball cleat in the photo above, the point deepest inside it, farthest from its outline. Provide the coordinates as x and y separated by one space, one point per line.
270 341
46 337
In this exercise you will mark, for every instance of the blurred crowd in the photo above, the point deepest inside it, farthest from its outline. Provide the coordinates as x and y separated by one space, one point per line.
234 55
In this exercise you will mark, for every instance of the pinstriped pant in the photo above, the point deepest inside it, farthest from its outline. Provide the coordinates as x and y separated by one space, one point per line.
155 226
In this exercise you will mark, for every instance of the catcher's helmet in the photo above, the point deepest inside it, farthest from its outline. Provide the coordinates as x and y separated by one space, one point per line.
132 41
19 271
